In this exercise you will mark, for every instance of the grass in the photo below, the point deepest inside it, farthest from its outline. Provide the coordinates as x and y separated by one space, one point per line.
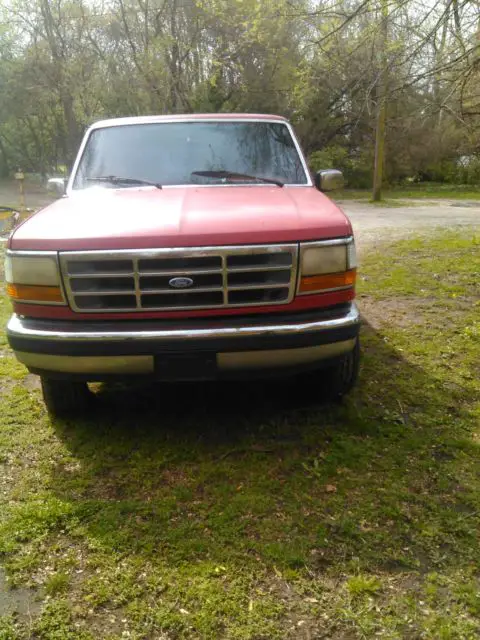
56 583
251 510
425 190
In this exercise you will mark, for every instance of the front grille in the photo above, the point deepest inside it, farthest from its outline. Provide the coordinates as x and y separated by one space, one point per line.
211 278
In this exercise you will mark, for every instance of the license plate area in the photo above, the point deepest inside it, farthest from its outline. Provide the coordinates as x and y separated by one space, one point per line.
186 366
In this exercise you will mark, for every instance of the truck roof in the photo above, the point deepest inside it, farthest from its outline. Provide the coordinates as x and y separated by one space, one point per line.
114 122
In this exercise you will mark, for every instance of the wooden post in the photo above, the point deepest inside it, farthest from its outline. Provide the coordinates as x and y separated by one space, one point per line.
20 176
381 108
379 149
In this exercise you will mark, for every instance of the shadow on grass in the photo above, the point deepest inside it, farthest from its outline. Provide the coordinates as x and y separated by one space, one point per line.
263 470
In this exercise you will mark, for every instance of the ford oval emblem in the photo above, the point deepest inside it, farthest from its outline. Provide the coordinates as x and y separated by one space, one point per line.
180 283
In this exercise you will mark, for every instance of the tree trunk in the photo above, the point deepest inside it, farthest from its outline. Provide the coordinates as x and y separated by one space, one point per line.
458 24
5 170
439 60
64 91
174 58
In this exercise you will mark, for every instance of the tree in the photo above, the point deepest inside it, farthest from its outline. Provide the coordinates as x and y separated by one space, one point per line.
332 68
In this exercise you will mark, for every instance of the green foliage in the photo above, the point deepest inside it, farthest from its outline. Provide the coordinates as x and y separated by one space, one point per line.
56 583
358 586
443 171
466 171
357 170
335 157
56 623
8 628
71 63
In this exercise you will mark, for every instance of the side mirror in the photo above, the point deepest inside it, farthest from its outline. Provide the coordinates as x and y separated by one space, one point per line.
329 180
57 185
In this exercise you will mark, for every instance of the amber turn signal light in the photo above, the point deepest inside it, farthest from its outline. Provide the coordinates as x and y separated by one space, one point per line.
312 284
35 293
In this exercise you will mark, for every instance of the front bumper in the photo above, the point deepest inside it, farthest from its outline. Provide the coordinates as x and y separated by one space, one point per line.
203 348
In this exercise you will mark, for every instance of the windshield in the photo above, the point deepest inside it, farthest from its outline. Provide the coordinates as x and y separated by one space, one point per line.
172 153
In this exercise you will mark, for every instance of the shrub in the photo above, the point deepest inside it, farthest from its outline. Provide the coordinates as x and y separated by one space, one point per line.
356 166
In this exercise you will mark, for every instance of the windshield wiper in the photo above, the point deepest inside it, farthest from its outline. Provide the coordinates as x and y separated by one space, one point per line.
226 175
120 180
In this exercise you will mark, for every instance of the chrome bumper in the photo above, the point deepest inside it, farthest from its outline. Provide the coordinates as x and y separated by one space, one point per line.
96 349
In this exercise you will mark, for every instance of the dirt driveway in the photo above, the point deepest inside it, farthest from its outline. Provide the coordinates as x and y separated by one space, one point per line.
374 224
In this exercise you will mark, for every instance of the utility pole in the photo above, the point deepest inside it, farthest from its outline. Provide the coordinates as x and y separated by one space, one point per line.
381 107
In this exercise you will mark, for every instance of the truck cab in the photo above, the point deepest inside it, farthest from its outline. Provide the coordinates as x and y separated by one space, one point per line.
191 247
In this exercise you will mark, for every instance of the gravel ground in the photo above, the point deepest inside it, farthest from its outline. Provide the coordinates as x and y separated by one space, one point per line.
374 224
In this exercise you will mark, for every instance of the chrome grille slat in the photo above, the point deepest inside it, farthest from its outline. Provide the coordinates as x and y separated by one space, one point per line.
255 269
183 272
79 276
112 292
147 292
232 276
251 287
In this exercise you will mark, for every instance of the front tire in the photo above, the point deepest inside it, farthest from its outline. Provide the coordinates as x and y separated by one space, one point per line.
64 398
343 375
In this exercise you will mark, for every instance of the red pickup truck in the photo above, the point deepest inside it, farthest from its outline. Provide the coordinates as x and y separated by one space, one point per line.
185 248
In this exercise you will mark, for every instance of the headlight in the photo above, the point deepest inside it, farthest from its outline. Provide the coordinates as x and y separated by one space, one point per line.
327 266
317 259
33 277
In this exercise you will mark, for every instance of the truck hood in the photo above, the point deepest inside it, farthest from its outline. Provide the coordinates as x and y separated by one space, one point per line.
146 217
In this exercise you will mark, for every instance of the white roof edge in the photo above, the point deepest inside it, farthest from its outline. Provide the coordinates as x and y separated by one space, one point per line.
115 122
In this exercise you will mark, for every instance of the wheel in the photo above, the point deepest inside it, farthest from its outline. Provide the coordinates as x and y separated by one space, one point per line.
342 376
331 382
65 397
